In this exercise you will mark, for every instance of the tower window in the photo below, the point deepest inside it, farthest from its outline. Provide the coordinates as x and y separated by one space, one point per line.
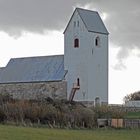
74 23
76 43
78 82
97 42
78 23
97 101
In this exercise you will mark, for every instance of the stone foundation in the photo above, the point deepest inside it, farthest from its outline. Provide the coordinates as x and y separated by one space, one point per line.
55 90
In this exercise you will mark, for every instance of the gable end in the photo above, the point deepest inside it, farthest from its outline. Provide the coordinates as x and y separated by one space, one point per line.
91 20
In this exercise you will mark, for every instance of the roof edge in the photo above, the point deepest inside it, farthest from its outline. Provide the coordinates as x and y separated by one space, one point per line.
76 9
69 21
31 82
103 23
98 16
85 9
98 32
36 56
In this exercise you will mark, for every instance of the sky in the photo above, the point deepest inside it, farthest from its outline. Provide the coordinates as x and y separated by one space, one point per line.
35 28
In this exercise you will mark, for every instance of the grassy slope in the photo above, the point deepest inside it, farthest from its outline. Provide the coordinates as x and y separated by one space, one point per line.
22 133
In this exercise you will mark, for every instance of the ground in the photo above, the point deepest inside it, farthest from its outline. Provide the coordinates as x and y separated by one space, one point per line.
27 133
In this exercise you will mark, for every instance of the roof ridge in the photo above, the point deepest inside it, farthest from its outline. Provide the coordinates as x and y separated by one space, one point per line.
86 9
36 56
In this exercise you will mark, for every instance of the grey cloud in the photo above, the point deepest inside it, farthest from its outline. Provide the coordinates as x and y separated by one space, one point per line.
119 66
123 24
41 15
122 54
34 15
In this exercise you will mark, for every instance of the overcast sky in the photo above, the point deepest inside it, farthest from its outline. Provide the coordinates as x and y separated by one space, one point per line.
21 19
123 18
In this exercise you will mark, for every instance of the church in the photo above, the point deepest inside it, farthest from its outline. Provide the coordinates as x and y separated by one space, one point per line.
81 74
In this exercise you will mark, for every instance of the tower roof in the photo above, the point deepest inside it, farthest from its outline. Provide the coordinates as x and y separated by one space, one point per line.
92 21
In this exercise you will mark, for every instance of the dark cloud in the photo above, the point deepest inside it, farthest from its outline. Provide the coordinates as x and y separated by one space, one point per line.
123 24
41 15
123 21
34 15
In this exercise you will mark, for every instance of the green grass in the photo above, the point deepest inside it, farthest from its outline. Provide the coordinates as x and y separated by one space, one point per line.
133 115
26 133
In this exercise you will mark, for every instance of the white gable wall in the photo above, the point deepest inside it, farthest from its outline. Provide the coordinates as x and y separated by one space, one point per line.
87 62
76 69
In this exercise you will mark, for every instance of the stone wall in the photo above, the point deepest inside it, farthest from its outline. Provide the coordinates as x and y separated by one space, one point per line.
55 90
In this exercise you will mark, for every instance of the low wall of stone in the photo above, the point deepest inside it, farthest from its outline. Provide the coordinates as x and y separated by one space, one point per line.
55 90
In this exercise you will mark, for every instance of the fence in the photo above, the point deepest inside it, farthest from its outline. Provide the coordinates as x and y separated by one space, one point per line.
124 123
132 123
118 123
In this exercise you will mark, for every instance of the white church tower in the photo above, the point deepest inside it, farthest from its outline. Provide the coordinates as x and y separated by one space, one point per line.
86 57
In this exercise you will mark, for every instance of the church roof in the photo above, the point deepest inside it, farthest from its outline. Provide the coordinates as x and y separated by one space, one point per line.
92 21
33 69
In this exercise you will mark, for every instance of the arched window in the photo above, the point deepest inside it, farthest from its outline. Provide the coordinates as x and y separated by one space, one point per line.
97 101
97 42
78 82
76 43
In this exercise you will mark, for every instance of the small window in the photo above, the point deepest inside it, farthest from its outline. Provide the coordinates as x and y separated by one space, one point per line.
97 42
78 82
76 43
97 101
74 23
78 23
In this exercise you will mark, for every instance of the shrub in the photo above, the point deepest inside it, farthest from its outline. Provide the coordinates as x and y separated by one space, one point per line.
5 98
2 114
53 113
108 112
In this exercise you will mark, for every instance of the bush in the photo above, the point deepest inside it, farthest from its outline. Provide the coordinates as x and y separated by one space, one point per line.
53 113
5 98
2 114
83 117
108 112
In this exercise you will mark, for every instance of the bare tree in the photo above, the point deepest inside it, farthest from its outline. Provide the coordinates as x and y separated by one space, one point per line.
132 97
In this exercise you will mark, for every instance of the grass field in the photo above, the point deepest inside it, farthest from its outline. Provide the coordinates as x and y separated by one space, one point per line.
26 133
133 115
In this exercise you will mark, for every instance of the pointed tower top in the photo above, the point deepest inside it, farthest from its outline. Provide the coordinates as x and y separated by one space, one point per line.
92 21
